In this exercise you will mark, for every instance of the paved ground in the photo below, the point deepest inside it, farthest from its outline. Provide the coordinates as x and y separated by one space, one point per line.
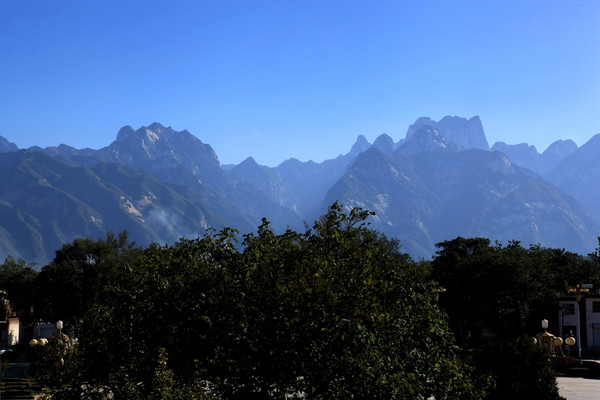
574 388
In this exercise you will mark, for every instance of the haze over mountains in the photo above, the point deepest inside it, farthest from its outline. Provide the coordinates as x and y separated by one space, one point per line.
441 181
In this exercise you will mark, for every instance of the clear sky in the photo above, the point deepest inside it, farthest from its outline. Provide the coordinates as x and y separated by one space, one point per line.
296 78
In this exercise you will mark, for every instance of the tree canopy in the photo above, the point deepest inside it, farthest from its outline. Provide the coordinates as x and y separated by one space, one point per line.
17 286
335 312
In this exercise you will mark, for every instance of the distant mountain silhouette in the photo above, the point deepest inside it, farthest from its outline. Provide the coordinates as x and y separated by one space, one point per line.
441 181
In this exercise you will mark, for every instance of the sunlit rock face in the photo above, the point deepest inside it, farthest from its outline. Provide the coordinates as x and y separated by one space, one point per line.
465 133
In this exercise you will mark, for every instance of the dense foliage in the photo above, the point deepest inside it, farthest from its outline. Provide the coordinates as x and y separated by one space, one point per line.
505 291
17 284
496 294
335 312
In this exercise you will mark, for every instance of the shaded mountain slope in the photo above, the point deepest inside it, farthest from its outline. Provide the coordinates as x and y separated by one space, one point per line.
428 197
439 182
47 202
579 175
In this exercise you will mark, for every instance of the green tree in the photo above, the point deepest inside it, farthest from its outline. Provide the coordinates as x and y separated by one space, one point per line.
520 369
67 286
337 311
90 286
17 280
345 317
495 295
503 290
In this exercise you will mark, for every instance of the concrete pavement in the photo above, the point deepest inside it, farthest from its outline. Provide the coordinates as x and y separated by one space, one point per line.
576 388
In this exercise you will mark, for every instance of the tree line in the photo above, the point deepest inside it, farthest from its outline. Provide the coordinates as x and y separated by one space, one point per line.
335 312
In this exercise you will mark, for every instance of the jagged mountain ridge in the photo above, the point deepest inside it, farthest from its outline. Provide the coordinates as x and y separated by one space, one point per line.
156 183
466 134
528 157
50 202
427 197
179 158
440 181
294 184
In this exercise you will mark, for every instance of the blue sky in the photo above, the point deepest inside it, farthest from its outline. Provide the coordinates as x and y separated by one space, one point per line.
286 78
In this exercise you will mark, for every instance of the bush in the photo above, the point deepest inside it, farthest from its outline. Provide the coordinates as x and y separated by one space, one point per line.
521 370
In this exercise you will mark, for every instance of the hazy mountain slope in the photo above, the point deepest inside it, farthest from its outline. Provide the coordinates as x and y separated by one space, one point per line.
579 175
484 194
426 197
39 215
52 202
404 206
439 182
178 157
557 152
527 156
266 180
20 235
297 185
309 181
6 146
521 154
181 158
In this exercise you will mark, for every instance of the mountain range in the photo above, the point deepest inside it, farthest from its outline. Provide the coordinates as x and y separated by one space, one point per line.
441 181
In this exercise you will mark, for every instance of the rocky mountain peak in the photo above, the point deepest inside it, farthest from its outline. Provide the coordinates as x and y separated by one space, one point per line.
6 146
125 133
385 144
360 145
466 133
420 123
426 139
248 163
560 149
521 154
159 148
147 136
157 140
